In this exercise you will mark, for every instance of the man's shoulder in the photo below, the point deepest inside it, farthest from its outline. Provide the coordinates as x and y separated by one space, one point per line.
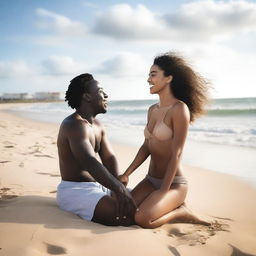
97 122
69 120
100 125
72 123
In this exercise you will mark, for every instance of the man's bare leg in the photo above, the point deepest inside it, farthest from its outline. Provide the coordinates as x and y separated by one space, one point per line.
106 213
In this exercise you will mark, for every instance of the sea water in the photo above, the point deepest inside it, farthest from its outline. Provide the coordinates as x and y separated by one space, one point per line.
223 140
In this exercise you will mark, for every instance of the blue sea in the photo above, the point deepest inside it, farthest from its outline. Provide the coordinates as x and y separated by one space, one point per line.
223 140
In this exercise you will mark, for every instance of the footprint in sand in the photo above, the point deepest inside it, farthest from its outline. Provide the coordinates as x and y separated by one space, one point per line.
55 250
174 251
9 146
5 194
189 237
196 234
21 165
36 148
37 151
4 162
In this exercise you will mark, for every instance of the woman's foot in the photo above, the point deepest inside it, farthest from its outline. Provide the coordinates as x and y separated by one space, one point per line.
184 215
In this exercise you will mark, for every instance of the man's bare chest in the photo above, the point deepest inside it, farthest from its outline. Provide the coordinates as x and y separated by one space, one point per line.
95 138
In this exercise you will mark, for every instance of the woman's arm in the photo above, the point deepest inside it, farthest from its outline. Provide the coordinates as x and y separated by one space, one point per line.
141 156
180 120
143 152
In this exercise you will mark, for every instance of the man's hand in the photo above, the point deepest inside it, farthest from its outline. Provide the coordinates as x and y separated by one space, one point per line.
126 205
123 179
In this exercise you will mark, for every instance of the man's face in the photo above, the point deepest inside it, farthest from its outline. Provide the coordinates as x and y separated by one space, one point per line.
98 97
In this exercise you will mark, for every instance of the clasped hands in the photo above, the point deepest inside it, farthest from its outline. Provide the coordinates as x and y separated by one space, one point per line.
126 205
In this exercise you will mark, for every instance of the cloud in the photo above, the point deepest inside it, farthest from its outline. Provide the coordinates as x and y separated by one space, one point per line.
62 65
52 66
200 20
14 69
59 23
124 22
124 64
210 19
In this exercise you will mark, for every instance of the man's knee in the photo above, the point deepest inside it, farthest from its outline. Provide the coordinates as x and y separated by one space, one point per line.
144 219
106 213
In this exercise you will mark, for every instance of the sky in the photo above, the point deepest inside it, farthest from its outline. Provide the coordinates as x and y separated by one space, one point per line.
45 43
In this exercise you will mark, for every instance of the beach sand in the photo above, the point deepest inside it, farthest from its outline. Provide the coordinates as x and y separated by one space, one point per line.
31 223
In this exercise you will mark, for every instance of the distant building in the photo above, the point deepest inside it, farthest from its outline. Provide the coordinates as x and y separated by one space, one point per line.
48 96
16 96
40 96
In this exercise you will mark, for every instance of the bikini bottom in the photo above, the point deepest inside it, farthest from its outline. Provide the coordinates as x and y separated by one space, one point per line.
158 182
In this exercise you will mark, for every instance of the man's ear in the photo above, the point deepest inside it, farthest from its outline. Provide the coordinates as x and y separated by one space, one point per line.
87 97
169 79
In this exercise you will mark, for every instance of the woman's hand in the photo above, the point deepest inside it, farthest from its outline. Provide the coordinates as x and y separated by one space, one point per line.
123 179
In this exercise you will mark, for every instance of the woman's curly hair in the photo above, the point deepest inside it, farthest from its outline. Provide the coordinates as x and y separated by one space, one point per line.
186 85
78 86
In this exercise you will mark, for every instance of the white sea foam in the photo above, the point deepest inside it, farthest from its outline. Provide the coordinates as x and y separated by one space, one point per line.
229 121
229 128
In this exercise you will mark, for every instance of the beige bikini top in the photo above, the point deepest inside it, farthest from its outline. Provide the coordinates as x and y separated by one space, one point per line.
160 131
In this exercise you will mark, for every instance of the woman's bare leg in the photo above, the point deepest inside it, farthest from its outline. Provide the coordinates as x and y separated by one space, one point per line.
157 209
105 211
182 214
142 191
153 209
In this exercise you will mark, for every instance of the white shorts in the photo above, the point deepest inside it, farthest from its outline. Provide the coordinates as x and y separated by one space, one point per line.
80 198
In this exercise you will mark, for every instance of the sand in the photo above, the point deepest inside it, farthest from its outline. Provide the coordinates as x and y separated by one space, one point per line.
31 223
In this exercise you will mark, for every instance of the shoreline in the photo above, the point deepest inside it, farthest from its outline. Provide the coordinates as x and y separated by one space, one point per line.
32 224
234 160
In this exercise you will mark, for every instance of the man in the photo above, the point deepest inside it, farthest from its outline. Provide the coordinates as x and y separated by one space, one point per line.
87 185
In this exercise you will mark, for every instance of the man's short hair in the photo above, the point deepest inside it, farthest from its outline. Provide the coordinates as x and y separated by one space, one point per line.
78 86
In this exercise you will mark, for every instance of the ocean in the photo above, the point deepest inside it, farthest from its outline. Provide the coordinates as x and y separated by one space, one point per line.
223 140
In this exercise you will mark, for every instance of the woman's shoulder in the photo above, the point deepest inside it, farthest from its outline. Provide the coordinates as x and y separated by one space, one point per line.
180 105
180 108
152 107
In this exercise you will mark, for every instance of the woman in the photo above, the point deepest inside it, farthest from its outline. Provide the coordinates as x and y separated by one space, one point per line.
182 96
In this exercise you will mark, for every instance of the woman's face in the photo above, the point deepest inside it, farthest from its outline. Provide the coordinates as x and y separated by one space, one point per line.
157 80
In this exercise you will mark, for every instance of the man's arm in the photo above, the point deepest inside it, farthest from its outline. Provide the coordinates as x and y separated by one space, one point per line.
82 150
107 155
